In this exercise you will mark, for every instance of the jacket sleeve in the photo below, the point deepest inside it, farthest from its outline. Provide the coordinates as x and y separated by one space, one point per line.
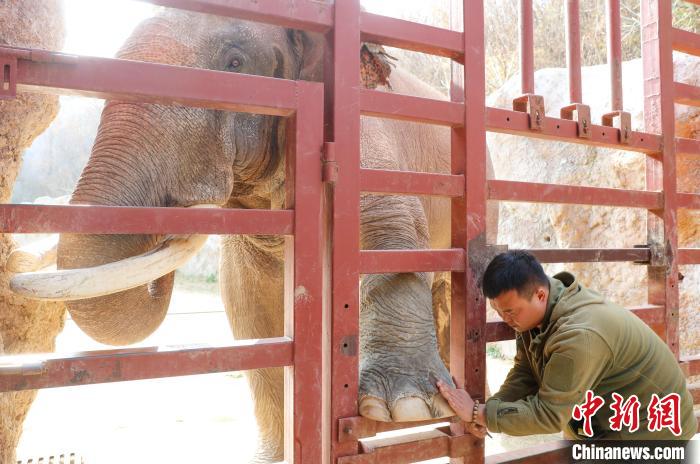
578 359
520 382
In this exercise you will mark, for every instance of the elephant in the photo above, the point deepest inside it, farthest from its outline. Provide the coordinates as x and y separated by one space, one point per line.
170 156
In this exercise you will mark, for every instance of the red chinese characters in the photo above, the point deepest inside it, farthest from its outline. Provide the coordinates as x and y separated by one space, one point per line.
587 410
662 413
626 413
665 413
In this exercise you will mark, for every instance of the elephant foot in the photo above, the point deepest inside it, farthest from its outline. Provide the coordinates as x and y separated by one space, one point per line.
404 395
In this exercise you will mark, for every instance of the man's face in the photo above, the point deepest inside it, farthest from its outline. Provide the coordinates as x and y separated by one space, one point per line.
522 314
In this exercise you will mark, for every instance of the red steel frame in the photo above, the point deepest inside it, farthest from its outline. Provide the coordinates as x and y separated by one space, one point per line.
321 417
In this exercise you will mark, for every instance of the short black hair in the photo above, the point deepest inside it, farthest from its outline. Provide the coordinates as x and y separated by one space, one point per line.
513 270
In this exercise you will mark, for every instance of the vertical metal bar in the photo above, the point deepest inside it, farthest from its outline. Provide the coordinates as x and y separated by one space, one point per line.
468 317
573 50
659 116
527 48
614 39
343 82
304 267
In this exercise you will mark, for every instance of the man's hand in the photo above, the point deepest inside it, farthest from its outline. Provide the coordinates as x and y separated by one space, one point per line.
458 399
475 429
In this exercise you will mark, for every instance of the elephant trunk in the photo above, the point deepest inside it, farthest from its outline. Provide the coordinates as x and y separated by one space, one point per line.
112 177
121 318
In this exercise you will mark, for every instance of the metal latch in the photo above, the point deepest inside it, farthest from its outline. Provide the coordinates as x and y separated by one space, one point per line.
534 106
582 115
621 120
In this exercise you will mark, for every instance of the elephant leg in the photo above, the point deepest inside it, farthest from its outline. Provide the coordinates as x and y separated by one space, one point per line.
399 358
252 286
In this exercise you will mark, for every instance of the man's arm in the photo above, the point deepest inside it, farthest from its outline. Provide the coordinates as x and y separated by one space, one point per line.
520 381
579 359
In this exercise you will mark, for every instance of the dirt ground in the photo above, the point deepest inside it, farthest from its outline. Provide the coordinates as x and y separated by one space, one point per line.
179 420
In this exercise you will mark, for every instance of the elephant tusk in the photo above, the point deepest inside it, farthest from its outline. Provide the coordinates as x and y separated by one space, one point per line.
106 279
34 256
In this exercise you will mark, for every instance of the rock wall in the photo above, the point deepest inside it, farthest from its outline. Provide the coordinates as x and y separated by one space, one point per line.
568 226
25 326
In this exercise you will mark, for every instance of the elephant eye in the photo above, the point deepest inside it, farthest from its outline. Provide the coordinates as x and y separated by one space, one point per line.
235 63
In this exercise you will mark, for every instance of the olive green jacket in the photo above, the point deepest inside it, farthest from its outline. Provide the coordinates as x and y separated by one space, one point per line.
586 343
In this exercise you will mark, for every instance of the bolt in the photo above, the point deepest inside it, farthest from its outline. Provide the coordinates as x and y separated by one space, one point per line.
538 118
348 430
585 125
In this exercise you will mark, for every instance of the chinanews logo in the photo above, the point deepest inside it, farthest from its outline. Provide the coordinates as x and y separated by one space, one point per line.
662 413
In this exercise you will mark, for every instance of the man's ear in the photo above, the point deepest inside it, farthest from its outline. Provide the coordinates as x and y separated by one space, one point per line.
307 50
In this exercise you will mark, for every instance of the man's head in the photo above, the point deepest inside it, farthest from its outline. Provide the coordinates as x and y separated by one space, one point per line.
518 288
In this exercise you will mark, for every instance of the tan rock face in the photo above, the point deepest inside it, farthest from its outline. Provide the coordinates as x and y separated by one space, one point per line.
25 326
567 226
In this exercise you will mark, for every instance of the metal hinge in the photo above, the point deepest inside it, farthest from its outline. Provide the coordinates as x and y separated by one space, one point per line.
329 173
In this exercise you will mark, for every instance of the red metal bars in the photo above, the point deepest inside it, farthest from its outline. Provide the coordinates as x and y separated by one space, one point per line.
573 50
299 14
686 42
570 194
305 264
152 83
527 48
28 372
661 175
410 183
468 312
411 36
386 261
614 39
343 67
26 219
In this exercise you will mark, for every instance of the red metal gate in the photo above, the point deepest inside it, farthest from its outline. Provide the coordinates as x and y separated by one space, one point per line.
329 428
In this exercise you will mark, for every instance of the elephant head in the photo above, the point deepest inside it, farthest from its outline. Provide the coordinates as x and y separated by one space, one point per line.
170 156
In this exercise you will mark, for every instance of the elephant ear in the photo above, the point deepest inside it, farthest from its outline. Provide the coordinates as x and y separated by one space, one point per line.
375 62
375 66
308 51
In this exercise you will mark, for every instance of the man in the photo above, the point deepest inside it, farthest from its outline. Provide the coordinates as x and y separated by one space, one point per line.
570 340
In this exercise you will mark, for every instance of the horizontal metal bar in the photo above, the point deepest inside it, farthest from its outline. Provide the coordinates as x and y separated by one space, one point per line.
504 190
687 146
29 372
50 72
555 451
686 94
688 200
311 15
691 365
652 315
590 255
407 108
390 261
563 130
689 256
411 183
28 219
411 36
686 42
351 429
415 447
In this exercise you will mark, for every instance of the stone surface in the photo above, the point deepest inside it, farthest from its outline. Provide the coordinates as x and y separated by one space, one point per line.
525 225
